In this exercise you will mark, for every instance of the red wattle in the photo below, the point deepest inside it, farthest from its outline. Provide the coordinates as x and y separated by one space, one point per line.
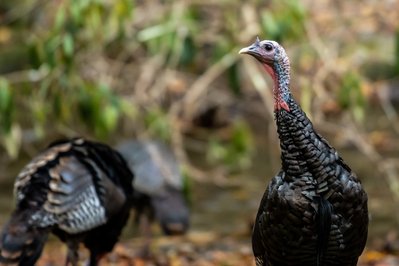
284 105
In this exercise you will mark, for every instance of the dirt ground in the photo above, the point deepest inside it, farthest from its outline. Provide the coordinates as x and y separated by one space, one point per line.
198 249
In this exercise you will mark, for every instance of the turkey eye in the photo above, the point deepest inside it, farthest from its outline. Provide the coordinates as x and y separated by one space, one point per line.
268 47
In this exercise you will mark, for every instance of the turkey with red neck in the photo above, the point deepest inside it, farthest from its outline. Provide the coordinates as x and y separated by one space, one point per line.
314 211
273 57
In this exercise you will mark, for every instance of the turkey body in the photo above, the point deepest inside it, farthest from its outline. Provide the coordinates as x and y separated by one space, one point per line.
314 211
158 185
79 190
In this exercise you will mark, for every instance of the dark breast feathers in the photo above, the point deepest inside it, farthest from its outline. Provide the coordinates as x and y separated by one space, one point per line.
314 207
75 189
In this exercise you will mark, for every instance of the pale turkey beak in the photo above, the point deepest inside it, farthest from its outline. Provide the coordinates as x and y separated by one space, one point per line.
251 50
244 50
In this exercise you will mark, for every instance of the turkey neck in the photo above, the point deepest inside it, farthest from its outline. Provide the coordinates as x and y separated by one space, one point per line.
296 133
280 73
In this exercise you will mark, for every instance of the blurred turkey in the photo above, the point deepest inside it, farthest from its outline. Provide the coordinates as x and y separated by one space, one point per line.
77 189
314 211
158 187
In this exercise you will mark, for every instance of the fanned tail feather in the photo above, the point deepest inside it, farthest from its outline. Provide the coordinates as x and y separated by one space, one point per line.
19 244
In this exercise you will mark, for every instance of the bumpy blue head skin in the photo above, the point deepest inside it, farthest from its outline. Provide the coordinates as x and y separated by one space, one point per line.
274 58
283 80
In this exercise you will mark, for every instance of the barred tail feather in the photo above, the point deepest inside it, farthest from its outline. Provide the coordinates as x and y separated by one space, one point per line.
20 245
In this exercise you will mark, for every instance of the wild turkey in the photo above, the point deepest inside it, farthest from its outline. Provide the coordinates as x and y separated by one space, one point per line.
77 189
314 211
158 187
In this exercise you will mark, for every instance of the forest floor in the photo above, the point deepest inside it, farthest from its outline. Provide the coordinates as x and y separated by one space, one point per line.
197 249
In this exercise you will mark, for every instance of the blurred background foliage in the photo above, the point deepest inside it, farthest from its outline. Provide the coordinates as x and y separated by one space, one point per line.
169 69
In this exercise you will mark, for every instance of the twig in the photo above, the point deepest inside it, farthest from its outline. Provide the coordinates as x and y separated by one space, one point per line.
326 58
22 10
31 75
199 87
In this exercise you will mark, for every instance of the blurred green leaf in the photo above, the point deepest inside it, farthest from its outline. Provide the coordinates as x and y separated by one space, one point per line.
157 124
39 110
12 141
359 113
62 107
124 8
397 52
50 50
220 50
188 53
68 45
88 105
110 116
269 25
5 95
155 31
286 21
6 106
236 153
59 18
93 18
99 108
34 55
128 109
351 96
216 151
75 9
234 79
243 146
57 106
306 100
187 185
39 129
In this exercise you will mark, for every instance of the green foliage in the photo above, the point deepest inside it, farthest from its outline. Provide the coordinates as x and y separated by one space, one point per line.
285 20
187 56
34 56
12 141
6 106
58 91
13 58
157 124
236 153
10 132
187 185
99 108
306 99
397 53
350 96
234 79
74 56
